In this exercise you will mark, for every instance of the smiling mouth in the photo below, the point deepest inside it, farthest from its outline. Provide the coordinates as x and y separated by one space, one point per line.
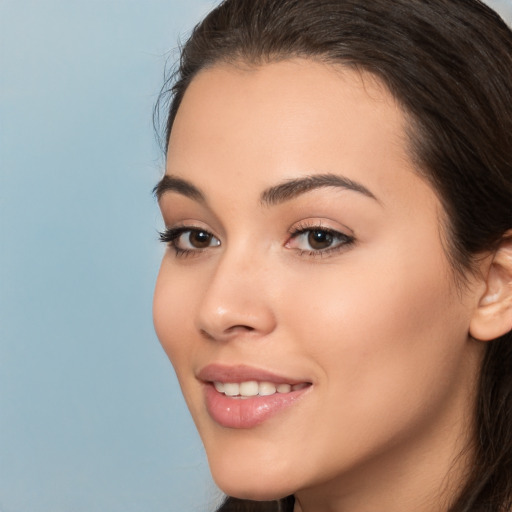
242 397
247 404
253 388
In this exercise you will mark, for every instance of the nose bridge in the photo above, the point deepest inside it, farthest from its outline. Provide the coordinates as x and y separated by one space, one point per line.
237 297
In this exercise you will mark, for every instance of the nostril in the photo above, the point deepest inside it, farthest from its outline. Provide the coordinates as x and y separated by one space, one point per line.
228 333
206 335
235 328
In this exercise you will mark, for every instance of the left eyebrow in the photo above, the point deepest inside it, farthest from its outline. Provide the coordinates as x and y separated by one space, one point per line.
178 185
295 187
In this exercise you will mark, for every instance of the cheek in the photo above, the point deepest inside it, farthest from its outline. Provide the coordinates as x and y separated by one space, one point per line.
387 344
173 302
386 330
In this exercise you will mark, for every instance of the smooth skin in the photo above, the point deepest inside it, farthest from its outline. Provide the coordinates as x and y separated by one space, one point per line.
366 308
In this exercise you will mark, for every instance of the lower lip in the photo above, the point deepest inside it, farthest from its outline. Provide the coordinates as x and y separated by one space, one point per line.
247 412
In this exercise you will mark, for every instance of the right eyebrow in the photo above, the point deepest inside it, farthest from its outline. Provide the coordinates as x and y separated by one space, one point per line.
171 183
290 189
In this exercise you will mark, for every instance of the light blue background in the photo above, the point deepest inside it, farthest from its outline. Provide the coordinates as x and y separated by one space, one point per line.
91 418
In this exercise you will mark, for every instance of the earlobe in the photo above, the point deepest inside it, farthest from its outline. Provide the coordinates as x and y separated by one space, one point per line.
493 316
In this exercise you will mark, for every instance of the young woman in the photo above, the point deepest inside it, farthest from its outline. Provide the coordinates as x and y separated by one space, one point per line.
336 297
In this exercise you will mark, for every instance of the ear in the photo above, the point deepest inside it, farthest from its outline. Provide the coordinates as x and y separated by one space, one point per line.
493 316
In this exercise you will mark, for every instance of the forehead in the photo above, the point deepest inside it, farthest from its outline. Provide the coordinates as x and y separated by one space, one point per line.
296 91
283 119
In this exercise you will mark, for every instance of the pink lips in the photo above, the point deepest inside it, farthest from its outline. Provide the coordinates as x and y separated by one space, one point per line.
243 413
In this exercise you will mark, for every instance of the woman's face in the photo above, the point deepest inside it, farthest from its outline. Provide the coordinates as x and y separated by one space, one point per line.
306 272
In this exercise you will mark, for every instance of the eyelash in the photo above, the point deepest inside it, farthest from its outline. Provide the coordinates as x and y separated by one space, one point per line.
171 235
345 241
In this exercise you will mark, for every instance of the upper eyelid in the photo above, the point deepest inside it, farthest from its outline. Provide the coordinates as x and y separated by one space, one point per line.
180 229
295 229
302 230
322 224
194 226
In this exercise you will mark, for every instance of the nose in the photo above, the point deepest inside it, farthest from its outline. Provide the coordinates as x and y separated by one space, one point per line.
237 300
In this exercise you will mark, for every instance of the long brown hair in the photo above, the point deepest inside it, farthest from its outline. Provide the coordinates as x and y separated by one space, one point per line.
449 64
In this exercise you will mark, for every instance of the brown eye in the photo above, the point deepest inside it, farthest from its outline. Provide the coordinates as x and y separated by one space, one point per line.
316 241
200 239
188 240
319 239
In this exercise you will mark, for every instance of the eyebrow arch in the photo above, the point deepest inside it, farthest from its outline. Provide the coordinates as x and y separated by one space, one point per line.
295 187
174 184
270 196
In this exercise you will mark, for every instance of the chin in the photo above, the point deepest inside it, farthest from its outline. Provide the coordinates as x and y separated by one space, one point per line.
251 480
253 491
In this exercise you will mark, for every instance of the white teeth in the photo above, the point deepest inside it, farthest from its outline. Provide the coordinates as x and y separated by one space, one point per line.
249 388
254 388
231 388
284 388
266 389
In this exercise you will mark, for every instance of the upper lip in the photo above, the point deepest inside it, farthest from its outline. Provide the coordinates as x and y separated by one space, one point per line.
242 373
